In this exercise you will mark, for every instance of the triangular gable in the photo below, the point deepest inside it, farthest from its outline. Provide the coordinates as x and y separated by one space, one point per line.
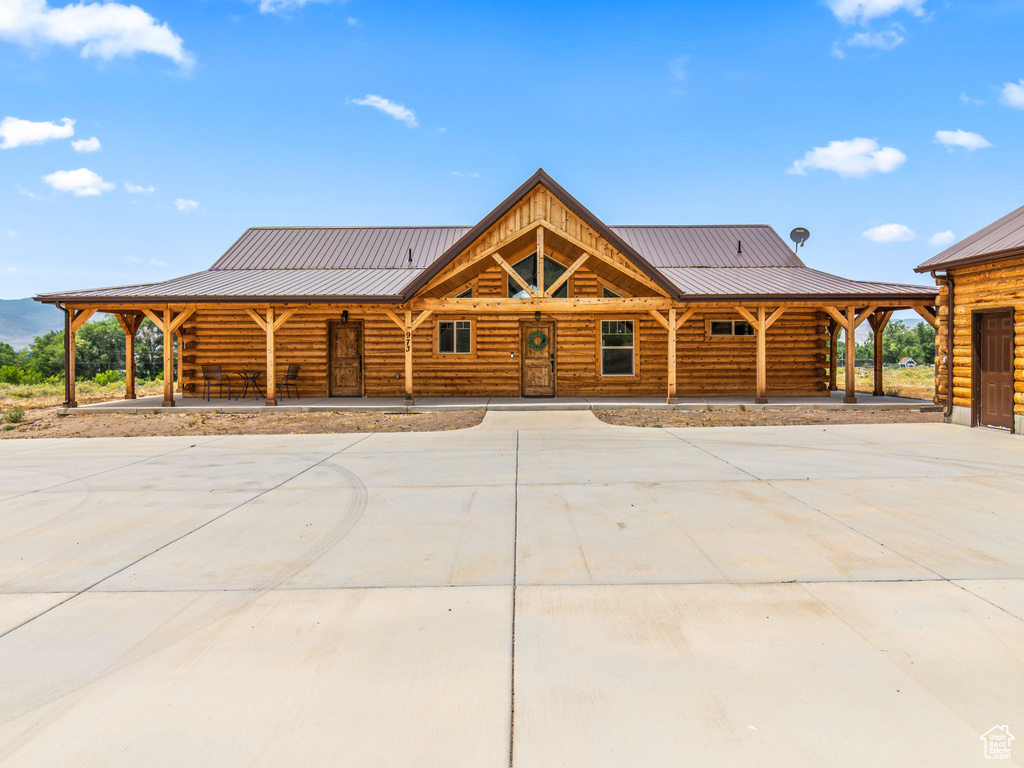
541 201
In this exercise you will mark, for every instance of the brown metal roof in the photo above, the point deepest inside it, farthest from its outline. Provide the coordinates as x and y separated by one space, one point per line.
338 247
1004 237
710 246
262 284
783 282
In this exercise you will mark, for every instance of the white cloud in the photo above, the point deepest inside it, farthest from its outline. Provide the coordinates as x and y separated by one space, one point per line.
942 238
186 206
837 50
968 100
86 145
886 40
17 133
966 139
27 193
83 182
856 157
397 111
853 11
284 6
677 67
1012 95
352 21
890 233
466 175
137 190
103 30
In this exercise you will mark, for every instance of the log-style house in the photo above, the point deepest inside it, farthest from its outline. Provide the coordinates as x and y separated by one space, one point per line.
979 345
539 299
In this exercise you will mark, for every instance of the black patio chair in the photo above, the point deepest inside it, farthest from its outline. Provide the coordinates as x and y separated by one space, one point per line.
213 374
288 380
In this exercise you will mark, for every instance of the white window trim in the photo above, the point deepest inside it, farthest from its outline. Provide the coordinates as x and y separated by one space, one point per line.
632 348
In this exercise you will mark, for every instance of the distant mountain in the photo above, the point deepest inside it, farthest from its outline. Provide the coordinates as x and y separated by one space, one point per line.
21 320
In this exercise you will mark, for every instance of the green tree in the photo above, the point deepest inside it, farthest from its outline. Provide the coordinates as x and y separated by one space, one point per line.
7 355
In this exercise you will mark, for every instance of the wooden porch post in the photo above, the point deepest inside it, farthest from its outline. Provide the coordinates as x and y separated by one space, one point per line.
833 351
130 325
878 321
851 355
271 359
672 333
409 400
168 360
69 361
762 363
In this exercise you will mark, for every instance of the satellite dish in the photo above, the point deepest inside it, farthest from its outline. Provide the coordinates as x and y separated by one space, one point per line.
799 236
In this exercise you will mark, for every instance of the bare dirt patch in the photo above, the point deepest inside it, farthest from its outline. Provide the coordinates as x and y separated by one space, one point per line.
46 423
737 418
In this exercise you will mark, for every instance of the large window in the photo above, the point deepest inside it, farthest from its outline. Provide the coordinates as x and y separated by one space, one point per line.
454 337
617 347
527 269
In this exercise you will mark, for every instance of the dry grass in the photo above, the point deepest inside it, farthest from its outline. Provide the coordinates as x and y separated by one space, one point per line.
916 382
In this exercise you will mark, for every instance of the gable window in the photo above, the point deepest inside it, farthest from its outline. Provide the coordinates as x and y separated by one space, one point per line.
730 328
466 294
608 293
454 337
527 269
617 347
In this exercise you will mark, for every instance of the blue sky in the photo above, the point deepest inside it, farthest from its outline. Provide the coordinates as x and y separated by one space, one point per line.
212 116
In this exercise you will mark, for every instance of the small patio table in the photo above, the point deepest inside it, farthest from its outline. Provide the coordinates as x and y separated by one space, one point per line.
251 377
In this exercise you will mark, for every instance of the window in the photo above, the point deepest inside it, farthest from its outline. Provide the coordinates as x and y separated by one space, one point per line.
527 269
608 293
454 337
617 347
466 294
730 328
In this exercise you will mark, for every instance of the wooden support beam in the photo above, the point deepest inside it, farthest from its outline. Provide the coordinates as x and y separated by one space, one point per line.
878 322
80 319
394 318
168 318
566 275
514 275
864 315
745 314
179 344
408 358
774 316
661 318
445 276
70 385
761 328
540 261
836 315
833 350
157 320
670 326
850 326
489 305
284 317
622 266
421 318
257 318
130 325
270 327
681 320
928 313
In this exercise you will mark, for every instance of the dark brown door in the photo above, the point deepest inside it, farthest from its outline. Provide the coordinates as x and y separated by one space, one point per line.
995 369
346 370
538 356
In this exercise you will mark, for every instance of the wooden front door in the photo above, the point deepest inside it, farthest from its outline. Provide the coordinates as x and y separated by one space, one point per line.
537 351
995 369
346 363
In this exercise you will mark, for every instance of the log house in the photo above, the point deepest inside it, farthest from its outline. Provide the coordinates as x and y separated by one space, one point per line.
538 299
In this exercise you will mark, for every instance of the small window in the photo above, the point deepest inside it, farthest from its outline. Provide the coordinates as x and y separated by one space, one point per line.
466 294
454 337
527 270
617 348
608 293
731 328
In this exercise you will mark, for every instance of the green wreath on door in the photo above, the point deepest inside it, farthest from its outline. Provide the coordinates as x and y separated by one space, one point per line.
537 341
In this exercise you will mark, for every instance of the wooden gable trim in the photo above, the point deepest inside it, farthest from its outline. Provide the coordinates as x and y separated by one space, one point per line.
540 178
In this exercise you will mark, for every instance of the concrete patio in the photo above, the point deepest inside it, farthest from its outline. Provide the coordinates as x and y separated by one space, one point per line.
153 404
543 589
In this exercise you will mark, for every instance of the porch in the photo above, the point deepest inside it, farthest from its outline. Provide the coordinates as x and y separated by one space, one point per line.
833 401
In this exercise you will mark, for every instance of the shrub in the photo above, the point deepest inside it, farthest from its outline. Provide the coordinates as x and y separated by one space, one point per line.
14 415
107 377
10 374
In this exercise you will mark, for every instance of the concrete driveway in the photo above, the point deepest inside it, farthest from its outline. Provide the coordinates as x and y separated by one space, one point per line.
543 586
